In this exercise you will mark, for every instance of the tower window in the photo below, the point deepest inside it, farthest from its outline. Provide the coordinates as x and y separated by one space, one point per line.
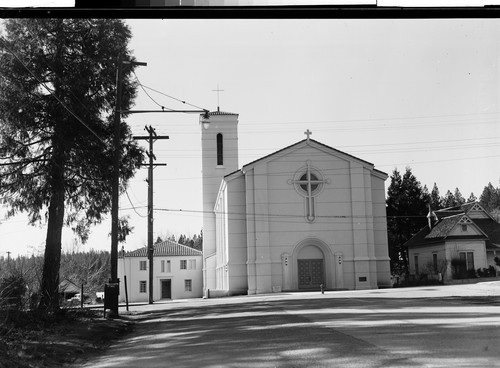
220 156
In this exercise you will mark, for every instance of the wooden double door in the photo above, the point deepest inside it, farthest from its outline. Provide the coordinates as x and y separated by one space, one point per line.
310 273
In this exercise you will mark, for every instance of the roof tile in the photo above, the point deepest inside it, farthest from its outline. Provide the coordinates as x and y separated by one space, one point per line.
165 248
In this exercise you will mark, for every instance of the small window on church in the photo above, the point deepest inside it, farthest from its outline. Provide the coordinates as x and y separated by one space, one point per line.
220 156
464 227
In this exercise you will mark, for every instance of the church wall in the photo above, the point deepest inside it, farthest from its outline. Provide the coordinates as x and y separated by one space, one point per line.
381 246
334 200
263 247
236 234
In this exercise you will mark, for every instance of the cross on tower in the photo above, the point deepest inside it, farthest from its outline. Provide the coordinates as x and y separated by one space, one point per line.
218 90
307 133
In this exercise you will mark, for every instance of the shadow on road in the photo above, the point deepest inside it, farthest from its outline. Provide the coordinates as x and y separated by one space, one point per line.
314 332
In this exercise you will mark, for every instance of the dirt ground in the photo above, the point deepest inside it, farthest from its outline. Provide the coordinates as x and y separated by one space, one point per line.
29 340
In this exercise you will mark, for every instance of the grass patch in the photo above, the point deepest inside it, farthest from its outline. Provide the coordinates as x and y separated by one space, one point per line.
32 339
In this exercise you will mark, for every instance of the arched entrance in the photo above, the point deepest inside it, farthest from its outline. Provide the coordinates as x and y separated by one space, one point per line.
310 267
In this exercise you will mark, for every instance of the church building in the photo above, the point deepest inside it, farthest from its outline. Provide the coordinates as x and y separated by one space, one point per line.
304 217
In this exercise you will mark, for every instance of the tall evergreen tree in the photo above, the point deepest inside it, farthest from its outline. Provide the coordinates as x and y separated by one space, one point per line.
435 199
459 199
407 207
57 96
490 198
472 198
449 200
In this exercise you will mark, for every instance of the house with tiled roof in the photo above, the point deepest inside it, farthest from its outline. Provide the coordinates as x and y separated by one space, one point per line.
455 243
177 273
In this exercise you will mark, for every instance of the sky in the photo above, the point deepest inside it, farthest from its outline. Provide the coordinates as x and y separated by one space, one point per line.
411 93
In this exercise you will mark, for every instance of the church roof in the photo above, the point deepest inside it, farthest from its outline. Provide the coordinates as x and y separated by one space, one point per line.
314 142
165 248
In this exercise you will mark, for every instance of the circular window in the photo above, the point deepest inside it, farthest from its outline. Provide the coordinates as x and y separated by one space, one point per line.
308 176
314 182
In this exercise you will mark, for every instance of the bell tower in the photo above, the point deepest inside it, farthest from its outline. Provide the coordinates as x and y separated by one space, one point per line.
219 152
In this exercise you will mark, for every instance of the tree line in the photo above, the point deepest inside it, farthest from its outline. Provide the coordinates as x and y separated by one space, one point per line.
408 204
195 242
21 277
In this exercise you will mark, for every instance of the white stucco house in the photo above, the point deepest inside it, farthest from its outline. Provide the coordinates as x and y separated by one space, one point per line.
465 233
304 216
177 273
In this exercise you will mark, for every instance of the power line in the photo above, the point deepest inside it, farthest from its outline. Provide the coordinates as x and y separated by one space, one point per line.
172 97
133 207
147 94
287 216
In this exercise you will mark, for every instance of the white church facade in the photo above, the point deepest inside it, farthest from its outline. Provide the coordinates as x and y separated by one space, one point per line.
303 217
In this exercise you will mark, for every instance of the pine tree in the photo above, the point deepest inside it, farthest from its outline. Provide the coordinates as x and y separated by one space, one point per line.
472 198
57 96
407 207
435 199
449 200
490 198
459 199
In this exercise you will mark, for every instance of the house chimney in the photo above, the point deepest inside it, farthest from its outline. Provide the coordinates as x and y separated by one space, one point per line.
429 217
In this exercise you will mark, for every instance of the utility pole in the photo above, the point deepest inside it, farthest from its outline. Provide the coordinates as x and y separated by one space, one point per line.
113 298
151 138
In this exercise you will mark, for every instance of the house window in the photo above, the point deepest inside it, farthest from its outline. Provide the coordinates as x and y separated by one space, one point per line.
415 261
435 262
464 227
142 265
142 286
162 266
188 285
192 264
183 264
467 259
220 155
169 267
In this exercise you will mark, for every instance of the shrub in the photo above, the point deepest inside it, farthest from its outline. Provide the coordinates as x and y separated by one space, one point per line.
12 292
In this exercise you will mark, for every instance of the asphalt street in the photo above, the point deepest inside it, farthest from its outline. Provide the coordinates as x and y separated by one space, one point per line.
438 326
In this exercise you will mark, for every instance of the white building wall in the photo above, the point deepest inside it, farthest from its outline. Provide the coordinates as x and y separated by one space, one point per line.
279 224
425 260
236 235
177 277
445 254
212 174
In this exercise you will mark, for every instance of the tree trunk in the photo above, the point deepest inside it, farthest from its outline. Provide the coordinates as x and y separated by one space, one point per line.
50 279
52 260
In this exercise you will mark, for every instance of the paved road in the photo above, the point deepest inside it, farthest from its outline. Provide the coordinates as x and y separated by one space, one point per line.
445 326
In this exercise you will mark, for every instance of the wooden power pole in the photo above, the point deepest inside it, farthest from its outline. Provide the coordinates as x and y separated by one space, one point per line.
112 299
151 138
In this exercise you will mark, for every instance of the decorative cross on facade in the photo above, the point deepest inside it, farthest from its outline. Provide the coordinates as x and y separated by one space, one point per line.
218 90
307 133
308 182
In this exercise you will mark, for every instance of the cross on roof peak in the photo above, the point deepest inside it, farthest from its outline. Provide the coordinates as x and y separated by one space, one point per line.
307 133
218 90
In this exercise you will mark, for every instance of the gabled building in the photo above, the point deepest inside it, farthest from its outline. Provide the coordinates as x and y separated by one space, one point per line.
177 273
464 237
300 218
